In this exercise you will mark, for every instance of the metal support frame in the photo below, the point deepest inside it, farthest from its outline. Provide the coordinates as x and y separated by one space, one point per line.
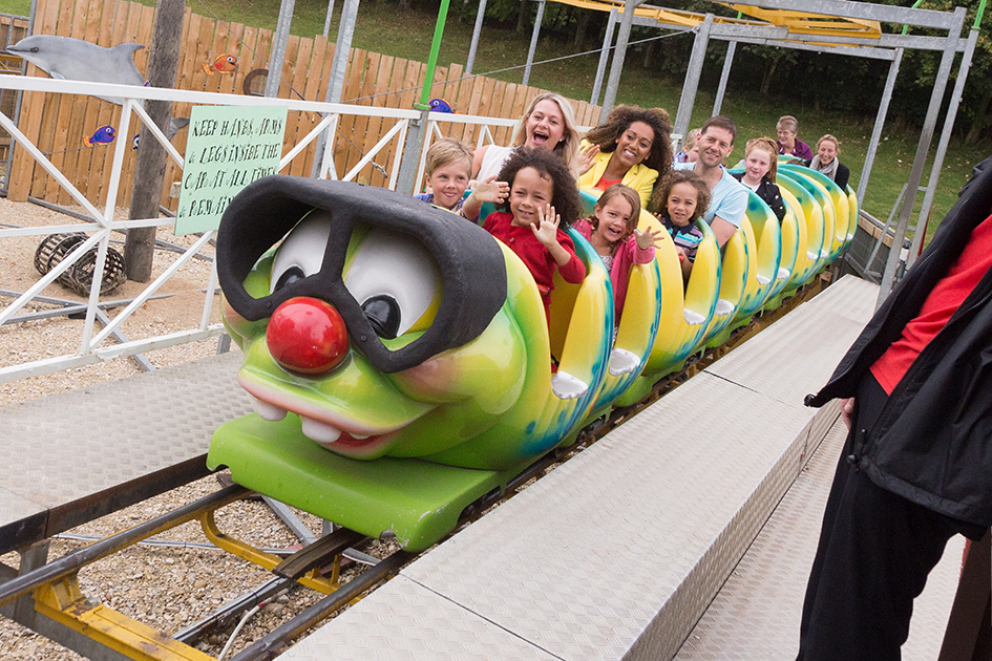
335 80
413 146
691 84
327 21
623 38
534 36
728 63
945 137
604 56
876 133
476 32
406 181
278 57
922 149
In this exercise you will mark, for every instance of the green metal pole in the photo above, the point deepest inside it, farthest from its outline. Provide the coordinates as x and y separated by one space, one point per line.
978 16
905 28
425 94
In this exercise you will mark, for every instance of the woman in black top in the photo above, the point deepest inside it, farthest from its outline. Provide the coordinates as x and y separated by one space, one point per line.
826 161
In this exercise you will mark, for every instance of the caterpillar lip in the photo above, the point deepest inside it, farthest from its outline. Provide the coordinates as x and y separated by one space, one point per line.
319 424
325 434
315 430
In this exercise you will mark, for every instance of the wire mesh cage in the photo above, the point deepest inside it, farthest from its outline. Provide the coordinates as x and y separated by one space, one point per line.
79 277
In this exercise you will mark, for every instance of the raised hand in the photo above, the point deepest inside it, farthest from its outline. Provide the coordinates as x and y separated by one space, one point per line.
587 155
649 238
546 227
490 190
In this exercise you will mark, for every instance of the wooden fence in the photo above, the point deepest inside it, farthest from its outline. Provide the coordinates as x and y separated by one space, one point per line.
59 124
12 30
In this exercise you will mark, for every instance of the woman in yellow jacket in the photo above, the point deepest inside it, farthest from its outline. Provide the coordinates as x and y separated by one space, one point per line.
634 150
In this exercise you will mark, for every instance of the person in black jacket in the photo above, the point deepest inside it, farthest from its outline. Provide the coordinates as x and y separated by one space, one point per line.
917 464
828 162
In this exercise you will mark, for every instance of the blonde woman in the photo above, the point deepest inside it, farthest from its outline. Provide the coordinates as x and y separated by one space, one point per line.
826 161
549 123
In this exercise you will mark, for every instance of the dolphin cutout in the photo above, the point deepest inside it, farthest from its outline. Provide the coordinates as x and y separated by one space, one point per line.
66 58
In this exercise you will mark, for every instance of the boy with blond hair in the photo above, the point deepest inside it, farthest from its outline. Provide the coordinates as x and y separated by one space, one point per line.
448 165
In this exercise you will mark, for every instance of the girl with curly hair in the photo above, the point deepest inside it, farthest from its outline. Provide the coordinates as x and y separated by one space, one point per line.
543 202
634 150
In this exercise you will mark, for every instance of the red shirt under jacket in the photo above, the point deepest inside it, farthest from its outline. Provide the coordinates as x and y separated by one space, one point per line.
945 298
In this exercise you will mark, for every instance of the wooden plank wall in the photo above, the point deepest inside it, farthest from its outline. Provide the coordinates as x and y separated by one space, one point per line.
59 124
12 30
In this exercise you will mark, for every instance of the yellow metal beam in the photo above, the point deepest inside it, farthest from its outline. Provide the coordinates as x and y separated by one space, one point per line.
312 579
63 602
662 14
798 22
813 24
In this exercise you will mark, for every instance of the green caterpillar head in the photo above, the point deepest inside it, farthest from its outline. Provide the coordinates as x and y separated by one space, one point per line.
379 320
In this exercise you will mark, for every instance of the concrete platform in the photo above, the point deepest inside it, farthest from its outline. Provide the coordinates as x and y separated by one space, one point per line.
756 614
619 552
76 456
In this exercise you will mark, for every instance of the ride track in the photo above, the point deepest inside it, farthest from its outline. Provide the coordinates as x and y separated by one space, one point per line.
814 210
309 565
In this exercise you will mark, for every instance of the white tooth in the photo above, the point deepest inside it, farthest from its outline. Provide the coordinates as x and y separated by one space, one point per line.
359 437
320 432
269 412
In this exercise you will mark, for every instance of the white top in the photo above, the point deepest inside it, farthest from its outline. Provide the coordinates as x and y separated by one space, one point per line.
492 161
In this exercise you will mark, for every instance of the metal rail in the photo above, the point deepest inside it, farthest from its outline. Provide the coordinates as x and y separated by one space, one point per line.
272 644
73 562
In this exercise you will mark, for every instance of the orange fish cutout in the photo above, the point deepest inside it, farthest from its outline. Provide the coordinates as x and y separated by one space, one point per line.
223 64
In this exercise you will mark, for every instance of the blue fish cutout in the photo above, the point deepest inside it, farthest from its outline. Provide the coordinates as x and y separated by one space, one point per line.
103 135
440 105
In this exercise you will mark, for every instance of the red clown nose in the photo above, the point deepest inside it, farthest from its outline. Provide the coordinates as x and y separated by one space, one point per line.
307 335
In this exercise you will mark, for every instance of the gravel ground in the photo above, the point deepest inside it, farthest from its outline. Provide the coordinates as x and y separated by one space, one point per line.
36 340
166 588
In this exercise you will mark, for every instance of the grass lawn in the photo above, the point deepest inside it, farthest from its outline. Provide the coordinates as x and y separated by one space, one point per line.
387 29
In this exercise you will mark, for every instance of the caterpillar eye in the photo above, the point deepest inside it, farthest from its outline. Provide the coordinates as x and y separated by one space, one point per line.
396 281
301 251
383 312
291 275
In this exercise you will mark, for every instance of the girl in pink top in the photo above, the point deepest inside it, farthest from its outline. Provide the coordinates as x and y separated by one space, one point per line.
612 231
